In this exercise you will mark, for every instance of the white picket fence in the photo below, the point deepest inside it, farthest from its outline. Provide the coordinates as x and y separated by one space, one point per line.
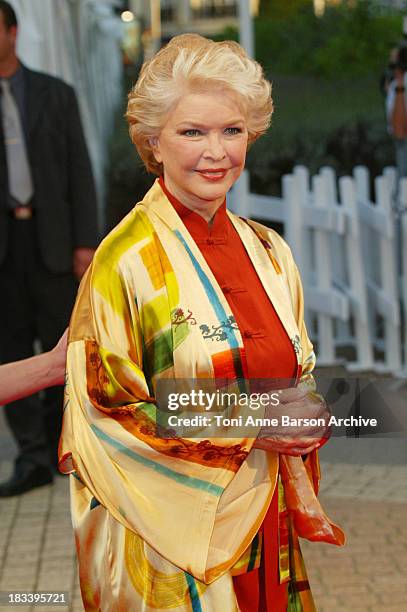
352 255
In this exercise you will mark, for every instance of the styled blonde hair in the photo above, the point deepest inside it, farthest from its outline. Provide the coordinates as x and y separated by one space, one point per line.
190 63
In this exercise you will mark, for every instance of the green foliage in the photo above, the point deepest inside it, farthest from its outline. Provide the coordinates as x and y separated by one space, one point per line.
320 122
285 46
282 9
229 33
355 41
344 41
350 39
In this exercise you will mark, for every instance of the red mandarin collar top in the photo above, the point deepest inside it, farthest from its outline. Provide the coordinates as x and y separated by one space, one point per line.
269 354
268 349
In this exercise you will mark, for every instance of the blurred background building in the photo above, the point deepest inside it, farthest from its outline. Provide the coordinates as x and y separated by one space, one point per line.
206 17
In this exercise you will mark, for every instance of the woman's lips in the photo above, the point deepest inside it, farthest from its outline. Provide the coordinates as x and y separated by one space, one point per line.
213 175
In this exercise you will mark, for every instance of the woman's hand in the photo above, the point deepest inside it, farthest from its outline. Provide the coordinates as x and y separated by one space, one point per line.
297 438
25 377
58 360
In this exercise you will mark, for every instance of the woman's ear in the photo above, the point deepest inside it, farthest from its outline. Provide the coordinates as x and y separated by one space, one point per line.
155 147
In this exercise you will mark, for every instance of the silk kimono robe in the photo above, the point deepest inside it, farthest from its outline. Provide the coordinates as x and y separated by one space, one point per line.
164 524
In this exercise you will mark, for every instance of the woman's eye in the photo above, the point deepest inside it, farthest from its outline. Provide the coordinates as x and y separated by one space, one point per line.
233 130
191 132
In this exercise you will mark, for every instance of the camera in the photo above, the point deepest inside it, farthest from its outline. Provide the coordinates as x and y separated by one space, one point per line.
400 59
397 61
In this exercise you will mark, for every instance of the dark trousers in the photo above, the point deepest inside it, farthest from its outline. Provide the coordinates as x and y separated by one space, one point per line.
35 304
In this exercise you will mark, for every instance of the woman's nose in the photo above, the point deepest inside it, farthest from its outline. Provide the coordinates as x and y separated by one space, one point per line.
214 147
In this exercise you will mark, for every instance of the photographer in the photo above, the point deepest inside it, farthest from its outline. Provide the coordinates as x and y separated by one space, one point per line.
396 102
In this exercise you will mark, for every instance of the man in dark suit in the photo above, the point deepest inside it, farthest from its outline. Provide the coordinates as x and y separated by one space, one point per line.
48 233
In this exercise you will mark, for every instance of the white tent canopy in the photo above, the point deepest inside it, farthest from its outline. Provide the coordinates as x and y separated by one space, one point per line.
78 41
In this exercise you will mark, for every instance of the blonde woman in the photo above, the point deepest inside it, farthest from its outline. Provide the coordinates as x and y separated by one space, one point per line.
183 289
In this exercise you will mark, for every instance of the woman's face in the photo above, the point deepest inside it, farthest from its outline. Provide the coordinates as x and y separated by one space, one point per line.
202 147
